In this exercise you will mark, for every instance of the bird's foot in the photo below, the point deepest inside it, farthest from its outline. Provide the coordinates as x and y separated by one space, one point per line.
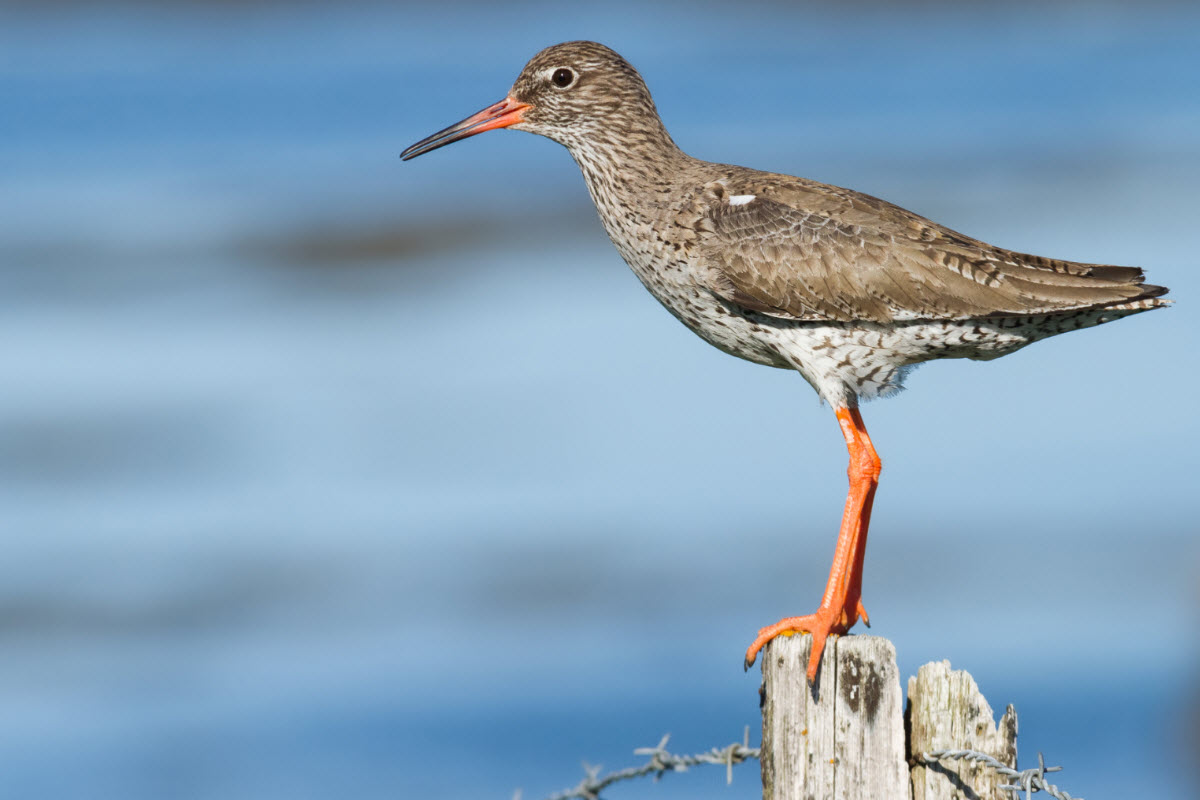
827 621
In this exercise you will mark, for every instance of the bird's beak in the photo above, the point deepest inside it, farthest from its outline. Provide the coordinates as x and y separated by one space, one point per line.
507 112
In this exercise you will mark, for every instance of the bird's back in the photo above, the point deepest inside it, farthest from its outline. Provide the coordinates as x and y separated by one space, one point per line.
804 250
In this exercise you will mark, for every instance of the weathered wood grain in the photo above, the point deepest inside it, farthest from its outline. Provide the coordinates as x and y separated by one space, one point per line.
842 739
946 711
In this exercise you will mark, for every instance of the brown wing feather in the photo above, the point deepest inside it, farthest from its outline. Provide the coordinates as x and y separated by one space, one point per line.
809 251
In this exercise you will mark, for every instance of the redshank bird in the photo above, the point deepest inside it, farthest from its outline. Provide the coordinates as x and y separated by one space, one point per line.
848 290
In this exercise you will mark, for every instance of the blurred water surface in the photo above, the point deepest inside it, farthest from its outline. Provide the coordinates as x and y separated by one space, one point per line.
323 475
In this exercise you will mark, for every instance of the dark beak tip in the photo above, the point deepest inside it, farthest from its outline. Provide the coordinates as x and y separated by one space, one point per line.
497 115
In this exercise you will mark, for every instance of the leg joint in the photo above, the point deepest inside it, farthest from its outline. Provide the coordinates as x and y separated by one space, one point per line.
865 466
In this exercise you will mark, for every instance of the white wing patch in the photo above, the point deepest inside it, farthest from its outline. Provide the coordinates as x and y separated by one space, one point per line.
740 199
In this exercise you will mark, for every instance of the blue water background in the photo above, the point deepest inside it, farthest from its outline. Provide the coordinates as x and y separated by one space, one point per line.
323 475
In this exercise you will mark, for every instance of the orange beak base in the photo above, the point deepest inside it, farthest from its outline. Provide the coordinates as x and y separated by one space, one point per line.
507 112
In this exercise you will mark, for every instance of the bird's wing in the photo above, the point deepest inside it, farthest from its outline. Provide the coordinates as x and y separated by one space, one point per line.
803 250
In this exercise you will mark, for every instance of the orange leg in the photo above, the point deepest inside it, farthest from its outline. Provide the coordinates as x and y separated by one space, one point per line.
841 606
872 466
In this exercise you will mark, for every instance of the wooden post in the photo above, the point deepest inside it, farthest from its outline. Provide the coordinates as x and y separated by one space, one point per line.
841 739
845 737
946 711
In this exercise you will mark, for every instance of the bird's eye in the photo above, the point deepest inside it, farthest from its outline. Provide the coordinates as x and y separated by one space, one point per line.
562 78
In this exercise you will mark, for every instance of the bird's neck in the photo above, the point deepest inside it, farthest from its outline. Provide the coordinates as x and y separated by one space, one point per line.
629 166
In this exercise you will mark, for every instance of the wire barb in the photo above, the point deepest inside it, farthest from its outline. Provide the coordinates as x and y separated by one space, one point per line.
1025 781
661 761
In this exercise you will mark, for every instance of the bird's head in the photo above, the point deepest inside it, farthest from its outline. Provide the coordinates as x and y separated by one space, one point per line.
574 93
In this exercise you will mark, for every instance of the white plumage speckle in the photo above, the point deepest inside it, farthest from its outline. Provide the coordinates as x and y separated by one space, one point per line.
740 199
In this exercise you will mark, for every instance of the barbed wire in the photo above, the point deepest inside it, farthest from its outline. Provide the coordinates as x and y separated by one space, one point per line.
1027 781
662 761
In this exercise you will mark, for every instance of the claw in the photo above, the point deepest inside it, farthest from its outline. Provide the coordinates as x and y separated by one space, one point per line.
826 622
820 625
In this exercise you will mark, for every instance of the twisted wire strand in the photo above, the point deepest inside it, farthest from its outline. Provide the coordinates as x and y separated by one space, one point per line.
1025 781
662 761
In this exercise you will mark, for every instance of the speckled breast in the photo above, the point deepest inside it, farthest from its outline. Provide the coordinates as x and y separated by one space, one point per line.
664 270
